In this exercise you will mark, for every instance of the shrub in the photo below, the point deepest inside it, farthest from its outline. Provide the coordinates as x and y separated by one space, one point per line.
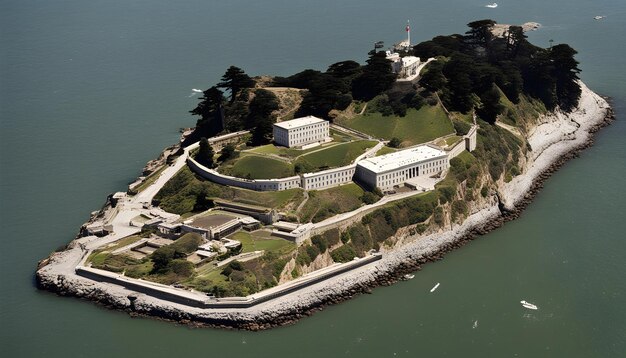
320 242
343 254
369 198
228 152
360 238
394 142
187 243
332 237
461 128
161 258
182 267
446 193
484 191
312 251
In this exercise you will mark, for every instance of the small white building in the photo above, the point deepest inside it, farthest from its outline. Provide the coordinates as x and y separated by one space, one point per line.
301 131
404 67
392 170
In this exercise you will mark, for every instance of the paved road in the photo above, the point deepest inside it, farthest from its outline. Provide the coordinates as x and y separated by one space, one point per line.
147 194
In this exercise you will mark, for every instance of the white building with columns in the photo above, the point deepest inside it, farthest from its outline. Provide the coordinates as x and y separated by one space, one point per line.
392 170
301 131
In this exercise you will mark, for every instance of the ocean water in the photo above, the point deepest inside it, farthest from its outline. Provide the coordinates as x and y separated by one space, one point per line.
89 91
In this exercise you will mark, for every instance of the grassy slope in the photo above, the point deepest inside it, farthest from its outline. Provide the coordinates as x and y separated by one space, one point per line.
257 167
323 204
255 242
416 127
338 155
386 150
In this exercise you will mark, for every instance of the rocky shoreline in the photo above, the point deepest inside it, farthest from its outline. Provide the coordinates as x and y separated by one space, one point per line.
56 273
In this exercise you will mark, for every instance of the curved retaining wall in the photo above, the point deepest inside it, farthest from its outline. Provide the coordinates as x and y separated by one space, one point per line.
320 180
253 184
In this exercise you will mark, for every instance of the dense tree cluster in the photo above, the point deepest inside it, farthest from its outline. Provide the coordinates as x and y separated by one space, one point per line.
479 65
474 70
239 112
340 84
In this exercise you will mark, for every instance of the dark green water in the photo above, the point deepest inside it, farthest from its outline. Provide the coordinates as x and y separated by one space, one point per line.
89 91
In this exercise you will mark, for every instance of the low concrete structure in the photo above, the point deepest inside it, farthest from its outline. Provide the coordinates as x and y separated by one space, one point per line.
301 131
293 232
391 170
467 143
220 141
265 215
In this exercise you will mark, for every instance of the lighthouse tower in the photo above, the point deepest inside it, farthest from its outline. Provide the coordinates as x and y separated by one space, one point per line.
408 33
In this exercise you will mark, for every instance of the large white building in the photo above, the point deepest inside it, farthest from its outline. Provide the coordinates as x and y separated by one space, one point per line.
392 170
405 67
301 131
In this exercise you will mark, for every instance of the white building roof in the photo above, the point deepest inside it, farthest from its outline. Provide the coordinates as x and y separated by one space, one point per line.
392 161
409 60
299 122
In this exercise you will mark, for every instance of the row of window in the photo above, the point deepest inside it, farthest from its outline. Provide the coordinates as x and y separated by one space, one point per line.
330 179
397 177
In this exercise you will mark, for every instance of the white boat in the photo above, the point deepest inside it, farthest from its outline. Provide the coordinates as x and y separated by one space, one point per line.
492 6
598 17
196 90
475 324
434 287
409 276
528 305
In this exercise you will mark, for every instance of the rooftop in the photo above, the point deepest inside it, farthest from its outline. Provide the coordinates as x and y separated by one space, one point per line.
299 122
409 60
392 161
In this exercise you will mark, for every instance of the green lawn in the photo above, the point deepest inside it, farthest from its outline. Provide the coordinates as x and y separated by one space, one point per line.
260 240
385 150
323 204
266 149
336 156
257 167
416 127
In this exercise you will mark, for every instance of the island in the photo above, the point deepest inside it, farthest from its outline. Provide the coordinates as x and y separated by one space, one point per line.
293 193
